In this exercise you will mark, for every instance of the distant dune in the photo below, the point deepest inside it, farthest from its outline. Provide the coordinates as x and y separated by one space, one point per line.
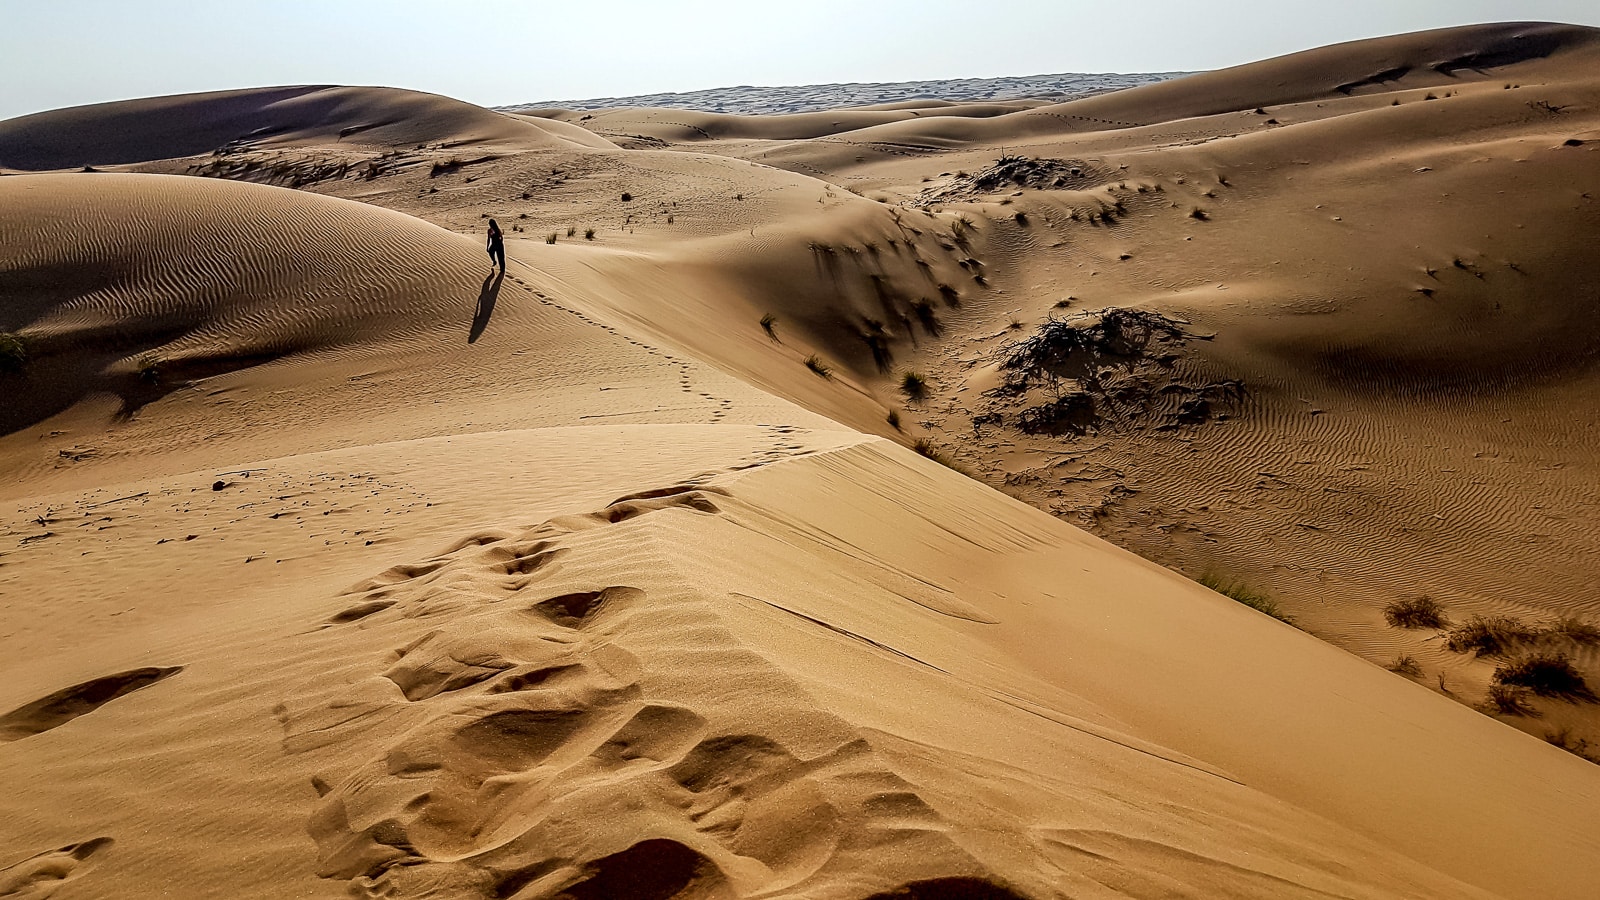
764 529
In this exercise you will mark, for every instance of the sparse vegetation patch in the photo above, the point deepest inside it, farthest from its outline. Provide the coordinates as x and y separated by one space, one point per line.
1416 612
13 352
1547 674
1255 600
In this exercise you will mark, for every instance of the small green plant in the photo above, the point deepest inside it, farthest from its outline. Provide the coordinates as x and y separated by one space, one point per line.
914 385
1257 601
1510 700
1548 675
13 352
1406 665
769 324
1417 612
1488 636
551 239
815 364
588 234
894 419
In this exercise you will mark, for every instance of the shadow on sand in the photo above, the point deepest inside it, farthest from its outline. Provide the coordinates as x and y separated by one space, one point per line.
486 298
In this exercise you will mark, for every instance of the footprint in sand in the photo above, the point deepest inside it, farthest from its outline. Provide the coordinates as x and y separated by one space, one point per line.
37 877
63 706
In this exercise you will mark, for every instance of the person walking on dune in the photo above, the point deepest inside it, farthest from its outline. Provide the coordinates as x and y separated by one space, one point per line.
497 245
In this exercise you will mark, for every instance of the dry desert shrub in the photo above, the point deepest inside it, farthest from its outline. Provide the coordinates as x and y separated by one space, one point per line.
815 364
1417 612
1489 635
1575 630
769 324
1406 665
1510 700
914 386
1548 675
894 419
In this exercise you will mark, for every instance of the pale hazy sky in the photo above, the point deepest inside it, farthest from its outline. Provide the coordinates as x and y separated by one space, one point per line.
494 52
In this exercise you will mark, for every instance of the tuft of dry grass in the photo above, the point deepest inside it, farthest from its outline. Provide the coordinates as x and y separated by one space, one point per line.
1510 700
914 385
1489 635
1257 601
551 239
894 419
1416 612
815 364
1575 630
1406 665
769 324
13 352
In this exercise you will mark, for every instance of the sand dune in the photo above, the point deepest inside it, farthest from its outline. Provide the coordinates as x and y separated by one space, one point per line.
109 134
337 564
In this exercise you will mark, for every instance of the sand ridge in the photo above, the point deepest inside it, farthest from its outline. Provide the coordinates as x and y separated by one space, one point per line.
607 577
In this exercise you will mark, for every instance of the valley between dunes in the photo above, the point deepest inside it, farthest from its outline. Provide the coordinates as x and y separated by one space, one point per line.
809 508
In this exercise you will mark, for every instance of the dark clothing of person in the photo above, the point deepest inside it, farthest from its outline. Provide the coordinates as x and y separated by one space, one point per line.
497 247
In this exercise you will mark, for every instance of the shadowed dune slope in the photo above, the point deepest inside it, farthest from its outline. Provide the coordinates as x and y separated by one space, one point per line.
133 131
108 276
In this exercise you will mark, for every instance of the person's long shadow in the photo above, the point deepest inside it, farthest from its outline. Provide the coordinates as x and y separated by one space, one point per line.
486 298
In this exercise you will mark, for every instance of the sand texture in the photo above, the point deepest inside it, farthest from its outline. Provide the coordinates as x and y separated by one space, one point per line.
808 510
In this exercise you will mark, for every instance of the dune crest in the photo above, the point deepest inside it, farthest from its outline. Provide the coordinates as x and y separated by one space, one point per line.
339 563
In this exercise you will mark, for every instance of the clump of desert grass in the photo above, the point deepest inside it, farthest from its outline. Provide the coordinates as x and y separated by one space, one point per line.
149 368
769 324
1510 700
1499 636
1416 612
1254 599
914 385
13 352
816 365
1489 636
1406 665
1547 674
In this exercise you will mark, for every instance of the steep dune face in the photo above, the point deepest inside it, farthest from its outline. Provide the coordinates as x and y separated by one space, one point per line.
464 586
561 736
135 131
